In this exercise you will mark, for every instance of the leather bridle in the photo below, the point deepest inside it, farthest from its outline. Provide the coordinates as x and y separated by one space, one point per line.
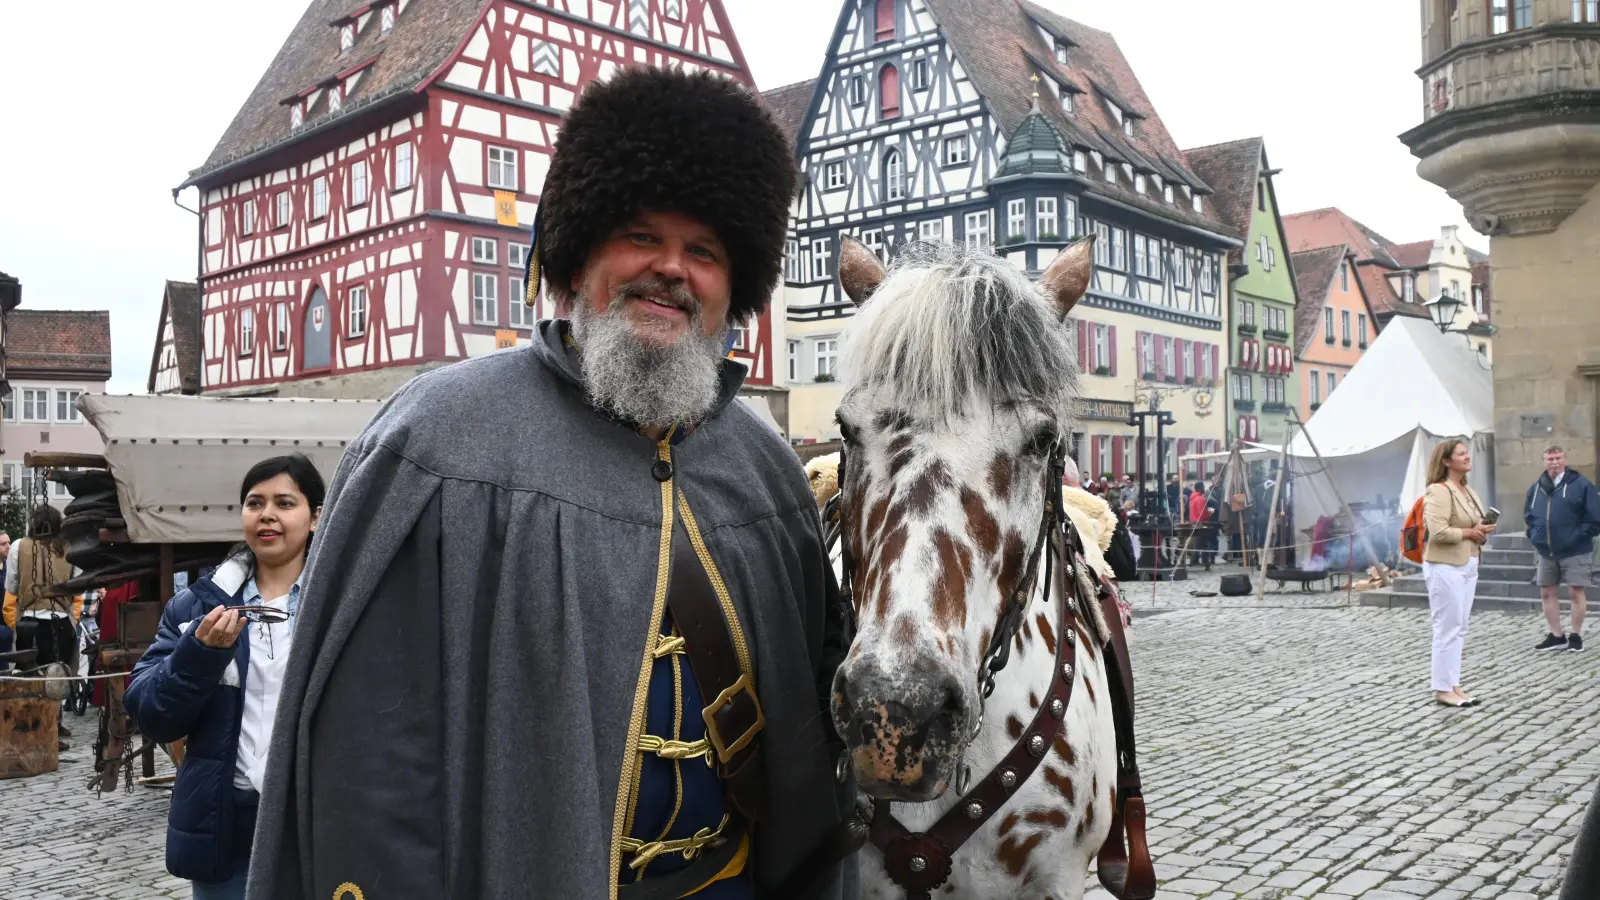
922 862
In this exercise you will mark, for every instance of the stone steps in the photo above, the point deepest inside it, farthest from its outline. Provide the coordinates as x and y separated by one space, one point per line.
1505 580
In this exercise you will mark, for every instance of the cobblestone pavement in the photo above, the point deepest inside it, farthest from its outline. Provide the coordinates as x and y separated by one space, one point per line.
1289 751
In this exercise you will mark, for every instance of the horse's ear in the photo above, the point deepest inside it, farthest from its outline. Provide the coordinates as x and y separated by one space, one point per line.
1067 279
860 270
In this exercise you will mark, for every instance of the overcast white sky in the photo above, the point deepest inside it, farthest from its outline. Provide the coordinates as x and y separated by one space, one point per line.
97 131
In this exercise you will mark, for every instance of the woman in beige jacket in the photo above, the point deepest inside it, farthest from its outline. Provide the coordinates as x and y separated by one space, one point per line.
1454 516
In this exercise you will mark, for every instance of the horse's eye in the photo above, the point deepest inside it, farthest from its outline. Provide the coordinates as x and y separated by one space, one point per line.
847 432
1043 442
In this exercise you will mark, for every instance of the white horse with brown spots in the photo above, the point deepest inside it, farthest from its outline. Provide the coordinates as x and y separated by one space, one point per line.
959 378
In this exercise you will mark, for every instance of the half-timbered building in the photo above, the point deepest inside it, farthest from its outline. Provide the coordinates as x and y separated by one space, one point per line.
366 214
1001 124
1261 387
175 366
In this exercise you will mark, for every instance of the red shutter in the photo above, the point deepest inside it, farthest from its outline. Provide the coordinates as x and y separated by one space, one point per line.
889 91
1095 443
1085 363
1177 357
886 23
1216 369
1198 351
1111 345
1116 456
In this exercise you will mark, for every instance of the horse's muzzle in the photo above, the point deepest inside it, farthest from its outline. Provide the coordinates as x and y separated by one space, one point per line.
906 730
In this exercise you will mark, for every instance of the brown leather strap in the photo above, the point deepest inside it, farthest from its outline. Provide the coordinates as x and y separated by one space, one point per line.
1124 867
732 711
920 863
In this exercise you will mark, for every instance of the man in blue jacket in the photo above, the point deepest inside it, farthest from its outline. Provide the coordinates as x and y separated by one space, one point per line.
1563 515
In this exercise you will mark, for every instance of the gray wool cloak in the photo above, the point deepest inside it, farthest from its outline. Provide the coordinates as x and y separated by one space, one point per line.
455 714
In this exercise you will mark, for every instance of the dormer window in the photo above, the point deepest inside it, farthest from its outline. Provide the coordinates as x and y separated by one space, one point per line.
386 21
1127 127
347 37
297 116
1198 207
1080 161
1115 111
1168 194
1067 104
1061 51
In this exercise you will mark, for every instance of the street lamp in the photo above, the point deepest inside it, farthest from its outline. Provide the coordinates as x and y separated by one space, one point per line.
1442 310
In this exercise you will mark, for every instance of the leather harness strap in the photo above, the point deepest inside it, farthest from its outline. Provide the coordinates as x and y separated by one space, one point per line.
1125 869
922 862
732 712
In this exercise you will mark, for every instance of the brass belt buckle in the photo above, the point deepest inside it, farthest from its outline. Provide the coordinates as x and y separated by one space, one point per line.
726 750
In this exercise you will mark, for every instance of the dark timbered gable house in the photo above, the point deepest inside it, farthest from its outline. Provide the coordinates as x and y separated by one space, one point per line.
1001 124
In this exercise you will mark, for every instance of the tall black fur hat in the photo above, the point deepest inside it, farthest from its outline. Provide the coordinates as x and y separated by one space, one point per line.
663 139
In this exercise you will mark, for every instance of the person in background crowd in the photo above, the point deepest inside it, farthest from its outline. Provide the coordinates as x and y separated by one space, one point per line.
5 629
1456 534
201 681
1563 515
1174 497
39 622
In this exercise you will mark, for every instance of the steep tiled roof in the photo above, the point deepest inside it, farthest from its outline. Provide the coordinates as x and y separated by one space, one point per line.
1476 256
1330 228
1232 170
1381 297
1314 271
789 105
999 45
1414 255
423 39
60 343
180 304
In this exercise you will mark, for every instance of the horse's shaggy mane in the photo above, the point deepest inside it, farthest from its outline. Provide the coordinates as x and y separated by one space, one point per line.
955 330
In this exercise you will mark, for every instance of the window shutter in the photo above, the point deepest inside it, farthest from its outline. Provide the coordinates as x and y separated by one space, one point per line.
1216 372
1111 345
1085 363
1197 351
1092 471
1177 357
1116 456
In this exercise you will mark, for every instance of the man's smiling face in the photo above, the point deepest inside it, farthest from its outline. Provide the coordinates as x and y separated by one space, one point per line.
670 273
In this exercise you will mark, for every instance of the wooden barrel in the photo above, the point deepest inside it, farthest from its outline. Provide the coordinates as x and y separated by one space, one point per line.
28 730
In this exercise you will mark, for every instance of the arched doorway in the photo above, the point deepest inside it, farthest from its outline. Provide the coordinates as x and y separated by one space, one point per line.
316 337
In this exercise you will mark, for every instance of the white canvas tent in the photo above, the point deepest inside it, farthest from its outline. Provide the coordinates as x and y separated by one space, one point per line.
1412 389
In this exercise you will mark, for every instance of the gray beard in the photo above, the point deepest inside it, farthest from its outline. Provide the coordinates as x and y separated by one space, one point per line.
644 384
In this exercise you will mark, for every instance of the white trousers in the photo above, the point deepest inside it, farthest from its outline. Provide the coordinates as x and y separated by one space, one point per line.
1450 592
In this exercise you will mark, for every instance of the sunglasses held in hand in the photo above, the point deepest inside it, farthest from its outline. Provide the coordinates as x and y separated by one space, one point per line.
261 613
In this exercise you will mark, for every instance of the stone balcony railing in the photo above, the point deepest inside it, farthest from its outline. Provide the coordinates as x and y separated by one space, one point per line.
1511 126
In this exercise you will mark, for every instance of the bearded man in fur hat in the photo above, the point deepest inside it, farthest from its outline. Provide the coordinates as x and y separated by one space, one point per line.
569 627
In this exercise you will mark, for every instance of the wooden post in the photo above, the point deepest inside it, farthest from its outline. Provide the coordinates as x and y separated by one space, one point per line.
28 724
1272 514
1383 580
164 589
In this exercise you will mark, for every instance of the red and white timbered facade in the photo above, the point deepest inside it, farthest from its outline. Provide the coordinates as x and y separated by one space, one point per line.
389 225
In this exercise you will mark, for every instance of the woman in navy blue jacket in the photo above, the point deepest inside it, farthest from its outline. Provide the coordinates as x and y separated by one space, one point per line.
214 673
